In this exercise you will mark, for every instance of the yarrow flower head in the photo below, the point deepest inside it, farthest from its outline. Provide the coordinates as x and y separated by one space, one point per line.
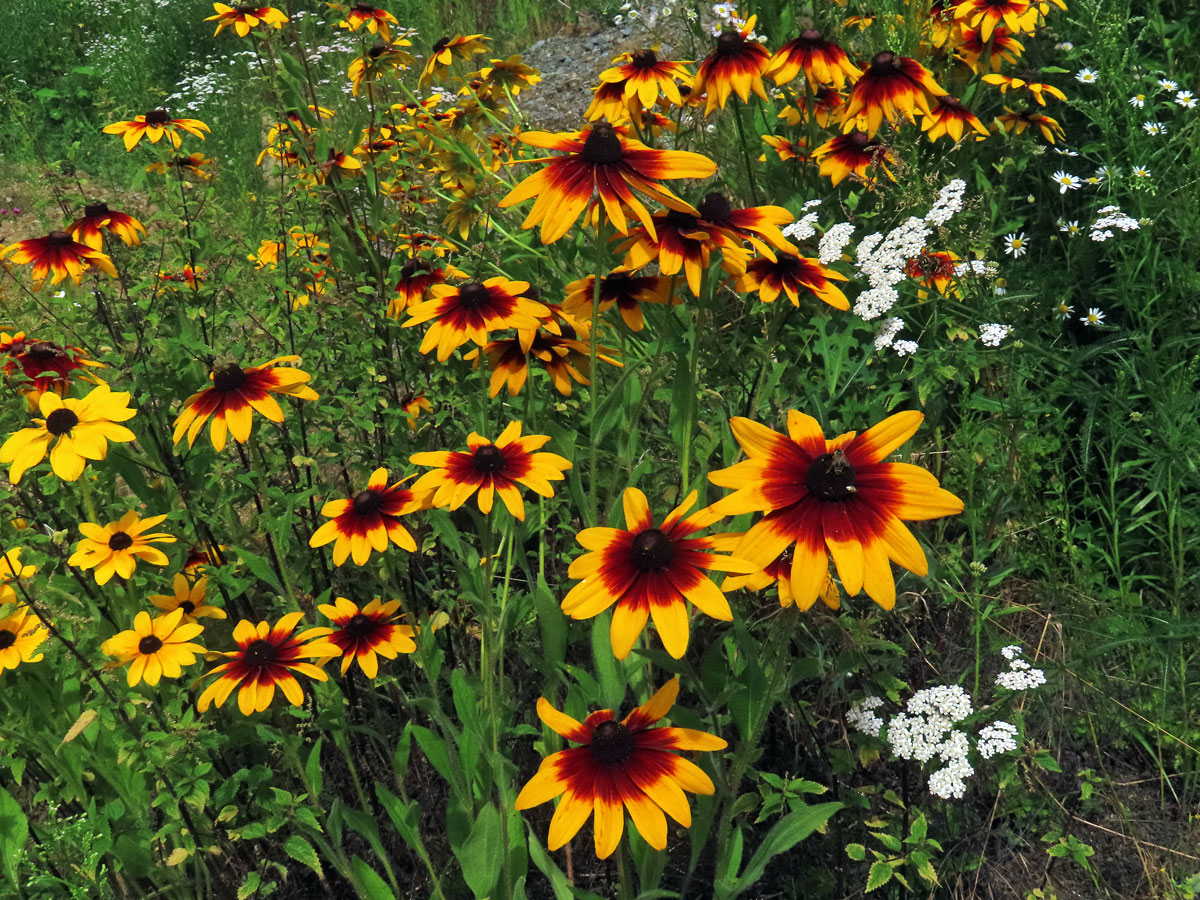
862 716
1021 676
992 334
996 738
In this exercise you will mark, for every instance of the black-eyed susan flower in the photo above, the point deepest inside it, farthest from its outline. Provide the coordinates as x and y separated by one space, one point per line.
442 54
369 520
72 430
620 288
416 278
267 658
1003 47
197 165
609 102
47 365
853 154
511 74
679 241
188 597
1016 122
645 76
377 20
379 59
832 498
1018 16
1036 89
491 469
934 269
792 274
155 648
822 61
625 765
21 634
890 87
236 393
11 570
650 570
413 404
756 225
785 148
96 216
199 558
242 18
467 312
115 548
735 65
601 162
57 255
366 633
777 572
155 125
948 117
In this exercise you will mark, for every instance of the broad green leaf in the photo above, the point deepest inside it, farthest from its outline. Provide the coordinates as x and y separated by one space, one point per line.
787 832
249 886
373 887
856 852
302 851
312 769
481 854
881 873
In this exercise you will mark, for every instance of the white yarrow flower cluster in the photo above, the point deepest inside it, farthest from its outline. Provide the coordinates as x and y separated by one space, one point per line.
1111 217
862 716
886 335
993 333
949 201
996 738
806 226
1021 676
833 242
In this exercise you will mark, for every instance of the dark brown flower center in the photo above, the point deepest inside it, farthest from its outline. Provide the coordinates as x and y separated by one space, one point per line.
365 8
616 285
377 51
158 117
45 351
644 59
229 377
247 10
61 421
473 295
59 238
260 654
488 459
812 36
729 42
652 551
602 147
682 220
188 607
885 62
7 639
859 140
441 45
359 626
367 502
715 207
120 541
94 210
612 743
149 644
830 477
532 293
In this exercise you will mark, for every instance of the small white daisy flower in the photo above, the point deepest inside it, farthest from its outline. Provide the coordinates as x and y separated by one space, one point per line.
1065 151
1186 99
1064 46
1154 128
1064 310
1167 84
1071 228
1095 315
1016 245
1065 182
1140 172
1137 101
1087 76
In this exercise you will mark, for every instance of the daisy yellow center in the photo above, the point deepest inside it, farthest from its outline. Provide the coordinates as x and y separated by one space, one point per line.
715 207
259 654
61 421
158 117
367 502
229 378
612 743
652 551
830 477
60 238
729 42
602 147
883 63
359 626
120 541
149 644
473 295
644 59
488 460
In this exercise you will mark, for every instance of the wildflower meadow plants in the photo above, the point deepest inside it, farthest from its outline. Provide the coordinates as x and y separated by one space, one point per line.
546 443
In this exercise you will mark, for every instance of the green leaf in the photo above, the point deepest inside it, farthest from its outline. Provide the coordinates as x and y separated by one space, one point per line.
302 851
434 749
312 769
406 817
553 625
881 873
373 887
261 569
482 853
249 886
14 831
919 829
563 889
856 852
608 672
787 832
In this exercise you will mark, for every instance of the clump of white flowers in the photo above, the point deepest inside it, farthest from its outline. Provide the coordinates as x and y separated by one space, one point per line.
929 729
1111 217
833 242
806 226
886 335
993 333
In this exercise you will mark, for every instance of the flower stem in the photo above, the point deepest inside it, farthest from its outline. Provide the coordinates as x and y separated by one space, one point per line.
594 375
